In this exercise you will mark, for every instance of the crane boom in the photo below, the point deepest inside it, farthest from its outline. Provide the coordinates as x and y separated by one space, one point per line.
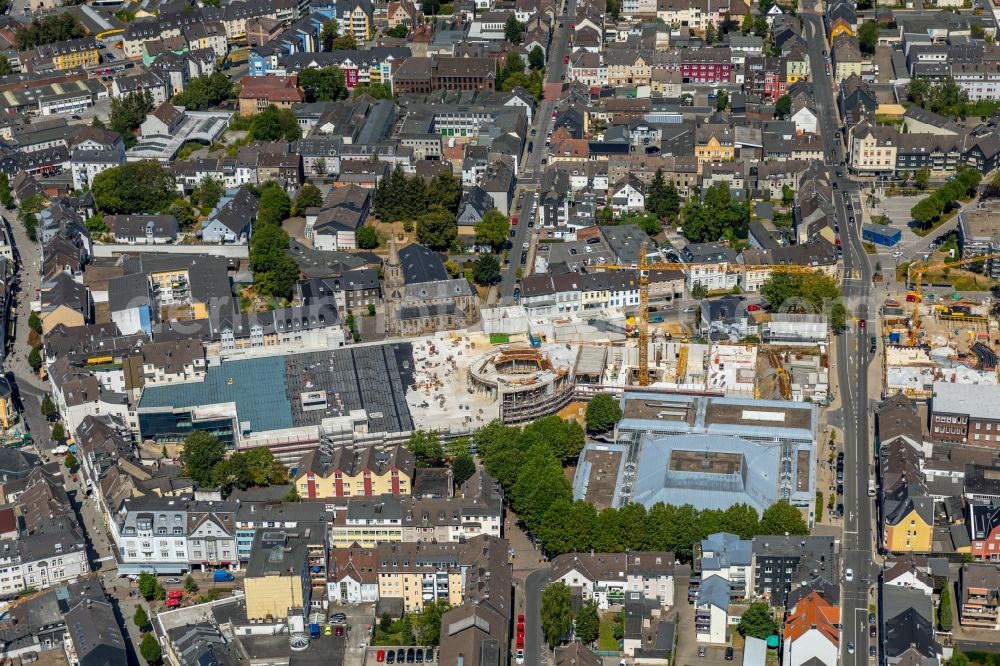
643 267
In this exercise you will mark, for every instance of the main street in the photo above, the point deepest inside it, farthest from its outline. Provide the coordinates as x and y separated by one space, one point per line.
530 171
852 359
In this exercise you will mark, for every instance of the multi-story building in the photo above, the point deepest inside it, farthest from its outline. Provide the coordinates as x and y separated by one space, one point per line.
979 234
69 54
725 556
254 517
286 574
168 535
984 531
872 148
964 413
259 92
421 572
812 632
782 563
355 473
979 605
906 509
423 75
612 578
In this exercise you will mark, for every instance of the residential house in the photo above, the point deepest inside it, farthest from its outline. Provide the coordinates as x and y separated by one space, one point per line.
355 473
812 633
259 92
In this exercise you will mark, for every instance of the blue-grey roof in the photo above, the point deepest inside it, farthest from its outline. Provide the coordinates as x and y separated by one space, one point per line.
714 591
754 482
726 550
263 403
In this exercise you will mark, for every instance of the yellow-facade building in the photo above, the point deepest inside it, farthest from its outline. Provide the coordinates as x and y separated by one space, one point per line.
909 534
355 473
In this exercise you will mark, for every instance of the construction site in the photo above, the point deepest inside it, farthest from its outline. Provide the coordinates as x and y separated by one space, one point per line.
938 336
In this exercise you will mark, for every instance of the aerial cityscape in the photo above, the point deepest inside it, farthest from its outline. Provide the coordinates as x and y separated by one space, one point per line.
500 332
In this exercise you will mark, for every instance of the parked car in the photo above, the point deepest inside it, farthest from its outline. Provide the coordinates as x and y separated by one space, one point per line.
729 654
429 655
872 652
701 650
173 581
390 658
380 656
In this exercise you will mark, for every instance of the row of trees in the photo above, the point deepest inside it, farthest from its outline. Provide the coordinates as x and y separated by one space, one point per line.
274 270
205 461
51 29
929 210
718 215
512 74
529 463
428 451
806 293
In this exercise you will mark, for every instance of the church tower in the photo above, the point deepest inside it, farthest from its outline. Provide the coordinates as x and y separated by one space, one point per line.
393 286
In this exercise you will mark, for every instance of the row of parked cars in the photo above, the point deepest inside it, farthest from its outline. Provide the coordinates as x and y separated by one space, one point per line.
405 656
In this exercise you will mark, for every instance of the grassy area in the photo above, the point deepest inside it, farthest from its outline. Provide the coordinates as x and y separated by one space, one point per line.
870 248
186 150
606 638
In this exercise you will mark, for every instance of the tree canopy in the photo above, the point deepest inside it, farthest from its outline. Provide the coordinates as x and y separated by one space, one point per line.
603 413
536 57
274 124
486 269
513 30
868 37
808 293
133 188
204 92
718 216
426 448
128 113
323 84
366 238
150 648
436 228
274 270
662 199
929 210
757 621
493 229
202 452
557 612
53 28
307 197
783 107
588 623
462 468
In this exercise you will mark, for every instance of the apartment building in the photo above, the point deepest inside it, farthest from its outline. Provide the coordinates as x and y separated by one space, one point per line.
964 413
348 472
979 603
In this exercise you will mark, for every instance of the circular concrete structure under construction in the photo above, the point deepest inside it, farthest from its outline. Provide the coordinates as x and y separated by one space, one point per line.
528 383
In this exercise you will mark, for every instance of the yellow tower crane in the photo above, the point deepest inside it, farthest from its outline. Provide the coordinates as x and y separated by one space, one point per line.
645 265
917 275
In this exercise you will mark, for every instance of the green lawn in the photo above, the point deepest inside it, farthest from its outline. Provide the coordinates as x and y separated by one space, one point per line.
606 637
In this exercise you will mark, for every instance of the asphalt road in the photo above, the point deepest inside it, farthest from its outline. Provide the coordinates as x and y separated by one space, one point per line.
530 171
852 359
535 650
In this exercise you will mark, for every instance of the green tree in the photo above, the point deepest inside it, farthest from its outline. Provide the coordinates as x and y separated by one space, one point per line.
149 587
787 195
921 178
536 57
274 206
698 291
919 91
742 520
588 623
345 43
944 608
486 269
95 224
462 468
783 518
493 229
366 238
722 100
398 32
747 26
374 90
140 617
307 197
58 432
128 112
133 188
35 322
204 92
603 413
70 460
780 286
328 33
48 408
6 195
557 613
426 448
323 84
445 190
710 35
184 212
190 586
53 28
35 359
662 199
274 124
868 37
427 623
513 30
202 452
5 68
150 649
436 228
783 107
757 621
208 192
